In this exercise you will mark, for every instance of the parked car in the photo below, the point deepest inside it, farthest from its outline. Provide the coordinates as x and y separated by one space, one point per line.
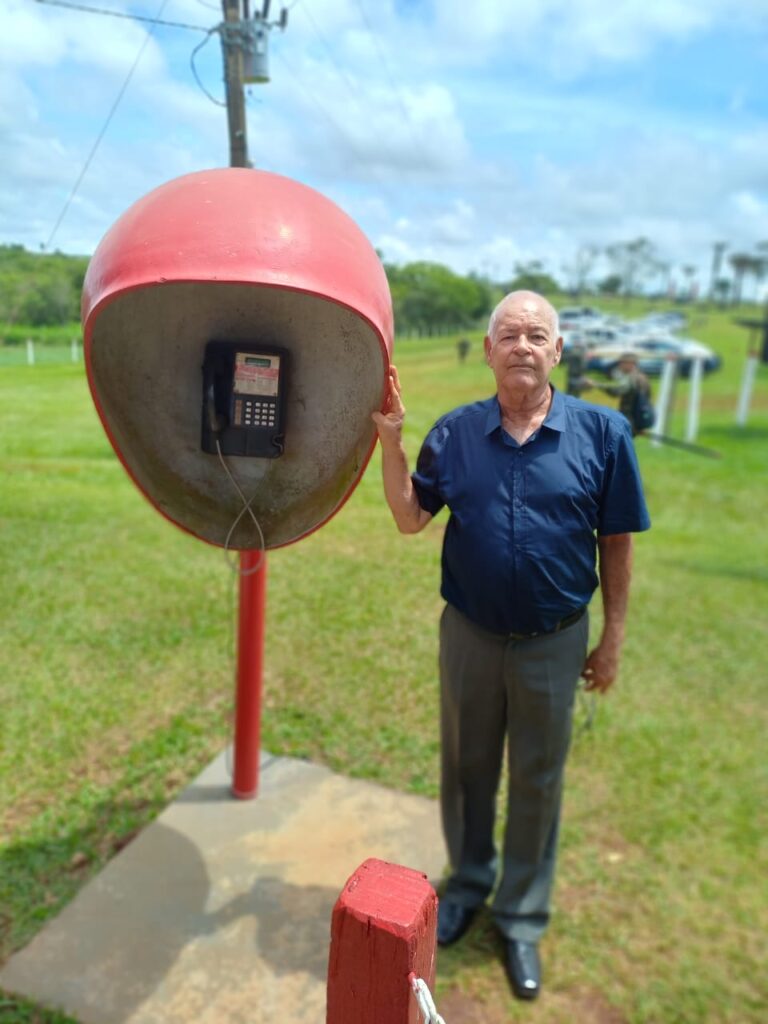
671 320
653 352
604 332
573 318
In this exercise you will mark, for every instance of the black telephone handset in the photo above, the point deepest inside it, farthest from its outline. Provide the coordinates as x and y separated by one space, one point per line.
243 399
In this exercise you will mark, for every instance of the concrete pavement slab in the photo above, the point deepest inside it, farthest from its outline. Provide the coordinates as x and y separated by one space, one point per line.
219 911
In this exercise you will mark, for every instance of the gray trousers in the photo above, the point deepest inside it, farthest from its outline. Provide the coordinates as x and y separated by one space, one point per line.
492 687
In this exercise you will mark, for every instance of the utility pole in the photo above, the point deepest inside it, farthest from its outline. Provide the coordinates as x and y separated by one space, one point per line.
244 42
233 79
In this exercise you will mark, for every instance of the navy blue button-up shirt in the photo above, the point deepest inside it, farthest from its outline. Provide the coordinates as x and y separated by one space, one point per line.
519 552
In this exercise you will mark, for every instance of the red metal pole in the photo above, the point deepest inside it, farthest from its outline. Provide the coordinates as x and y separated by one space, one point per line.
250 659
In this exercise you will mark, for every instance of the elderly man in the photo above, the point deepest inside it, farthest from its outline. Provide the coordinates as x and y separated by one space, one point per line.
538 484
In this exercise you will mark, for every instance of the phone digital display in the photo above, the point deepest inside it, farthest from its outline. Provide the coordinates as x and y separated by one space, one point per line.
256 375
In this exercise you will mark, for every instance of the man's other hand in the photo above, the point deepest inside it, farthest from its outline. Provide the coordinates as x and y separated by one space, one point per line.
601 667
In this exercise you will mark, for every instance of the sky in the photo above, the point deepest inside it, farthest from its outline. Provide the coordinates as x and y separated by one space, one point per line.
480 135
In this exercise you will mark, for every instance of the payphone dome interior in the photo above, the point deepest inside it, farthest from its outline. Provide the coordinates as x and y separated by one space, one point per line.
252 257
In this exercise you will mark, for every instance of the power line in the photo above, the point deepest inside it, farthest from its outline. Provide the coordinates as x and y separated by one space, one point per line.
120 14
349 141
391 191
353 88
313 97
416 134
219 103
350 84
101 134
385 65
354 91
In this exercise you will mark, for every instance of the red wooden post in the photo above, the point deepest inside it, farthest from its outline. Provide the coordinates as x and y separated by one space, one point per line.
250 657
383 929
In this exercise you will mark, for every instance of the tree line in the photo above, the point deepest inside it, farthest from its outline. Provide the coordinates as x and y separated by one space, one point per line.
43 289
40 289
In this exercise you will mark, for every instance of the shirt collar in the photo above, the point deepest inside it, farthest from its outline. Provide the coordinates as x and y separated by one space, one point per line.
493 416
555 418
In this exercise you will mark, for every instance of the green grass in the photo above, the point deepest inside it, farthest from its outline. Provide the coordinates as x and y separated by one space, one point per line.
116 689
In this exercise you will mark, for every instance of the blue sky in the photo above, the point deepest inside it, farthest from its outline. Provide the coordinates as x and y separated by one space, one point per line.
476 134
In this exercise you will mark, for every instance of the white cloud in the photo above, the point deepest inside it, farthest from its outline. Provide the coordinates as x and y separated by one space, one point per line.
29 38
749 216
396 249
371 133
457 226
42 36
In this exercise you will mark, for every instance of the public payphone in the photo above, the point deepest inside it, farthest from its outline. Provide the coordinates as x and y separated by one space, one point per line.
203 259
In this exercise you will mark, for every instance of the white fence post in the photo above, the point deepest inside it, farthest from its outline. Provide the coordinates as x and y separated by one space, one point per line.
694 400
666 394
30 352
75 350
747 383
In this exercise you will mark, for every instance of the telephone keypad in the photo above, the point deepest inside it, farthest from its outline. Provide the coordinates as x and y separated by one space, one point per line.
256 413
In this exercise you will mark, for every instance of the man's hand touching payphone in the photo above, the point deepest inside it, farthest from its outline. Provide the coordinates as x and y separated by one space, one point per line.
390 423
398 486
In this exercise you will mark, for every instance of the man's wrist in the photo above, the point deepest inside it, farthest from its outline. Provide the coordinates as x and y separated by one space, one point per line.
613 634
392 443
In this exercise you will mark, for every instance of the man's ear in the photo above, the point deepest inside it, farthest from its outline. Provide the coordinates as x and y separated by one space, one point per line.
558 350
487 346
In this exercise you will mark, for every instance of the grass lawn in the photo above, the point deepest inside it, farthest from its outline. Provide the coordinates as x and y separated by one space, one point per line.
116 688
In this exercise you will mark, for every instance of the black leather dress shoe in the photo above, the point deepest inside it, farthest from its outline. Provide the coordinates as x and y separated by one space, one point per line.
452 921
523 968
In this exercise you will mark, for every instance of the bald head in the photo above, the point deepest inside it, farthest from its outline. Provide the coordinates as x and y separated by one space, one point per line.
526 297
522 347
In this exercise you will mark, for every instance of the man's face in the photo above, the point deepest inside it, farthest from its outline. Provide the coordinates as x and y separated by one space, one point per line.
524 348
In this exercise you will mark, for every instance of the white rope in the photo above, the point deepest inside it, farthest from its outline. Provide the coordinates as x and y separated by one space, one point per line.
425 1000
234 565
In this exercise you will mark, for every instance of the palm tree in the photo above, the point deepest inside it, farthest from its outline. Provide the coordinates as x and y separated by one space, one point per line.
689 271
633 262
741 263
582 267
761 263
718 249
